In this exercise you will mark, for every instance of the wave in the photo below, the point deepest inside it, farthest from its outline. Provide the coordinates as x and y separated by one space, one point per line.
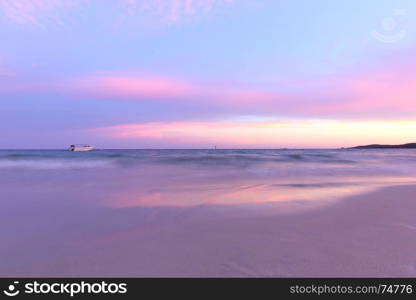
54 159
50 159
250 158
49 164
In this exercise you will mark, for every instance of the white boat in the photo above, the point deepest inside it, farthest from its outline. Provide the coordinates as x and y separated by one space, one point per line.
80 148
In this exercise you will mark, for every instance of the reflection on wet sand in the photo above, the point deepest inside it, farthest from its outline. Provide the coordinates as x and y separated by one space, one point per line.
247 191
217 217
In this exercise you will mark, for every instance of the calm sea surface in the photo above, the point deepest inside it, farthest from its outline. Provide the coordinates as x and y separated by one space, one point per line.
58 207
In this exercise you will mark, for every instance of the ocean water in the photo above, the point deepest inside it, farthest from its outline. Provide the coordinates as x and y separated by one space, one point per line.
236 158
57 206
195 177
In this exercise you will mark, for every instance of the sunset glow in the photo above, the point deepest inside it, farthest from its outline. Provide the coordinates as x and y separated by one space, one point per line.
297 134
176 74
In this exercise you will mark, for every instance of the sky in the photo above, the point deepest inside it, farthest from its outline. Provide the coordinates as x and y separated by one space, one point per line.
205 73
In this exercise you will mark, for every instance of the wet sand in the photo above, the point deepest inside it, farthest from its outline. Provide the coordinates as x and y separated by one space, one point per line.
373 234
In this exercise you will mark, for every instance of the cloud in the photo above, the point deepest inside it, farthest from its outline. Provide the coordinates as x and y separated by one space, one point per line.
38 12
171 10
144 88
41 13
130 88
208 95
382 92
7 72
301 133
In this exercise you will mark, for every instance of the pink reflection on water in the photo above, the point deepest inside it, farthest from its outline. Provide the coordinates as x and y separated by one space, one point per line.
241 192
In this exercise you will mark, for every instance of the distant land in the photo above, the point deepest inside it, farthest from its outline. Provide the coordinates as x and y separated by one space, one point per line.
377 146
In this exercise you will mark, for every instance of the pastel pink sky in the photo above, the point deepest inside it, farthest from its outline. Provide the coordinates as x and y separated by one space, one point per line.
361 93
296 134
41 13
193 73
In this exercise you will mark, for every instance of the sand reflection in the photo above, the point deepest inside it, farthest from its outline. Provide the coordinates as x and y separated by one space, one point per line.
244 191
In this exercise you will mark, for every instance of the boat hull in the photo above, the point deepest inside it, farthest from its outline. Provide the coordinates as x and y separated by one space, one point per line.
81 149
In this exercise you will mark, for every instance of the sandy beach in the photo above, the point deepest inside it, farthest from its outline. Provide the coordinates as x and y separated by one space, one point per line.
372 234
207 138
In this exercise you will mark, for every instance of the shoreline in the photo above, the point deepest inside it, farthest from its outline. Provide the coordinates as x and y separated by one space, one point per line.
368 235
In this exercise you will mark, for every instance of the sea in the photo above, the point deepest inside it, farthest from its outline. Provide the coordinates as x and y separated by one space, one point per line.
195 177
55 204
